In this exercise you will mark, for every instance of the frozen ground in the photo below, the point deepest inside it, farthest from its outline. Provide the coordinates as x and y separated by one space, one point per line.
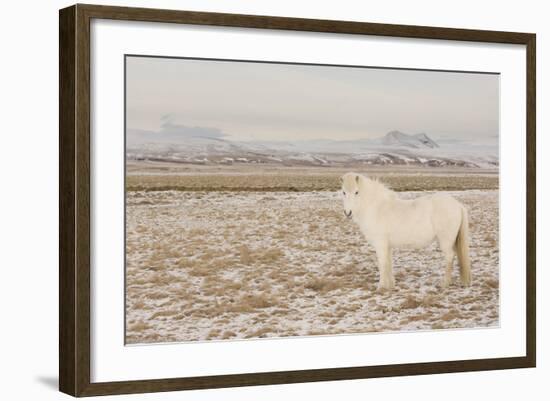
228 265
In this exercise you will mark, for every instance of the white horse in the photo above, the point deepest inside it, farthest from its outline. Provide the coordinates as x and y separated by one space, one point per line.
389 222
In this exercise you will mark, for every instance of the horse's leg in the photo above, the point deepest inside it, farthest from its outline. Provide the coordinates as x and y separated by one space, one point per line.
383 254
449 254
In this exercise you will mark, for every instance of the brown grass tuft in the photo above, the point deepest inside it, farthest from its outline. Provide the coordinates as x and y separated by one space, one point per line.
431 301
323 285
258 301
156 295
214 333
271 255
139 326
164 313
228 334
416 318
261 332
450 315
491 283
410 303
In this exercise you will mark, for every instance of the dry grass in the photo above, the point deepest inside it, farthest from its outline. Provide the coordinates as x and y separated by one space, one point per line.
139 326
164 313
261 332
491 283
292 180
230 265
450 315
257 301
323 285
270 256
410 302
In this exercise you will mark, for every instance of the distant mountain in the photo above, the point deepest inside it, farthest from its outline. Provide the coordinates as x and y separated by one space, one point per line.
397 138
394 148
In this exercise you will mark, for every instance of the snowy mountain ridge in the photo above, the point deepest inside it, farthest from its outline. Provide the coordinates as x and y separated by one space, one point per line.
394 148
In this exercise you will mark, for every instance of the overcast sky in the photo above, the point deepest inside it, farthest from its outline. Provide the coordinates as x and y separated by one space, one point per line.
262 101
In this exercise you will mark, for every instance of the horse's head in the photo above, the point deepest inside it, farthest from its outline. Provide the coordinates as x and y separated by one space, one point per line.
351 188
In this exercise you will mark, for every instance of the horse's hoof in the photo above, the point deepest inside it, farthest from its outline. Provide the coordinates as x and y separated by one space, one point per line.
385 287
466 283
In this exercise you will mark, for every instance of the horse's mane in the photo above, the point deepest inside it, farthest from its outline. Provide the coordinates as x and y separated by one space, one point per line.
382 189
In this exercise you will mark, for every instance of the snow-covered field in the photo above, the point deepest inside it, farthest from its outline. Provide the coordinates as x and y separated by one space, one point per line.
205 265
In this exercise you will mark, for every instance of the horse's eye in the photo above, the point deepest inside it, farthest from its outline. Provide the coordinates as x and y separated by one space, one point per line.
356 192
344 192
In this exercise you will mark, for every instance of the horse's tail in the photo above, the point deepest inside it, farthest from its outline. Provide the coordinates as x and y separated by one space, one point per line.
463 249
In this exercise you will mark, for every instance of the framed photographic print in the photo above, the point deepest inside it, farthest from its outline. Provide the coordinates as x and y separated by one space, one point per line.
250 200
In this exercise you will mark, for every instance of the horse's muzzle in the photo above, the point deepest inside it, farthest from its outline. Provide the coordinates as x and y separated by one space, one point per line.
348 215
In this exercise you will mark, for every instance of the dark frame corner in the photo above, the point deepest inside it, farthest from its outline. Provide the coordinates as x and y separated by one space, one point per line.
74 199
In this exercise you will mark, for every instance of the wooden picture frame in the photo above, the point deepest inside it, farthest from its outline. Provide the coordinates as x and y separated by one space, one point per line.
74 199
